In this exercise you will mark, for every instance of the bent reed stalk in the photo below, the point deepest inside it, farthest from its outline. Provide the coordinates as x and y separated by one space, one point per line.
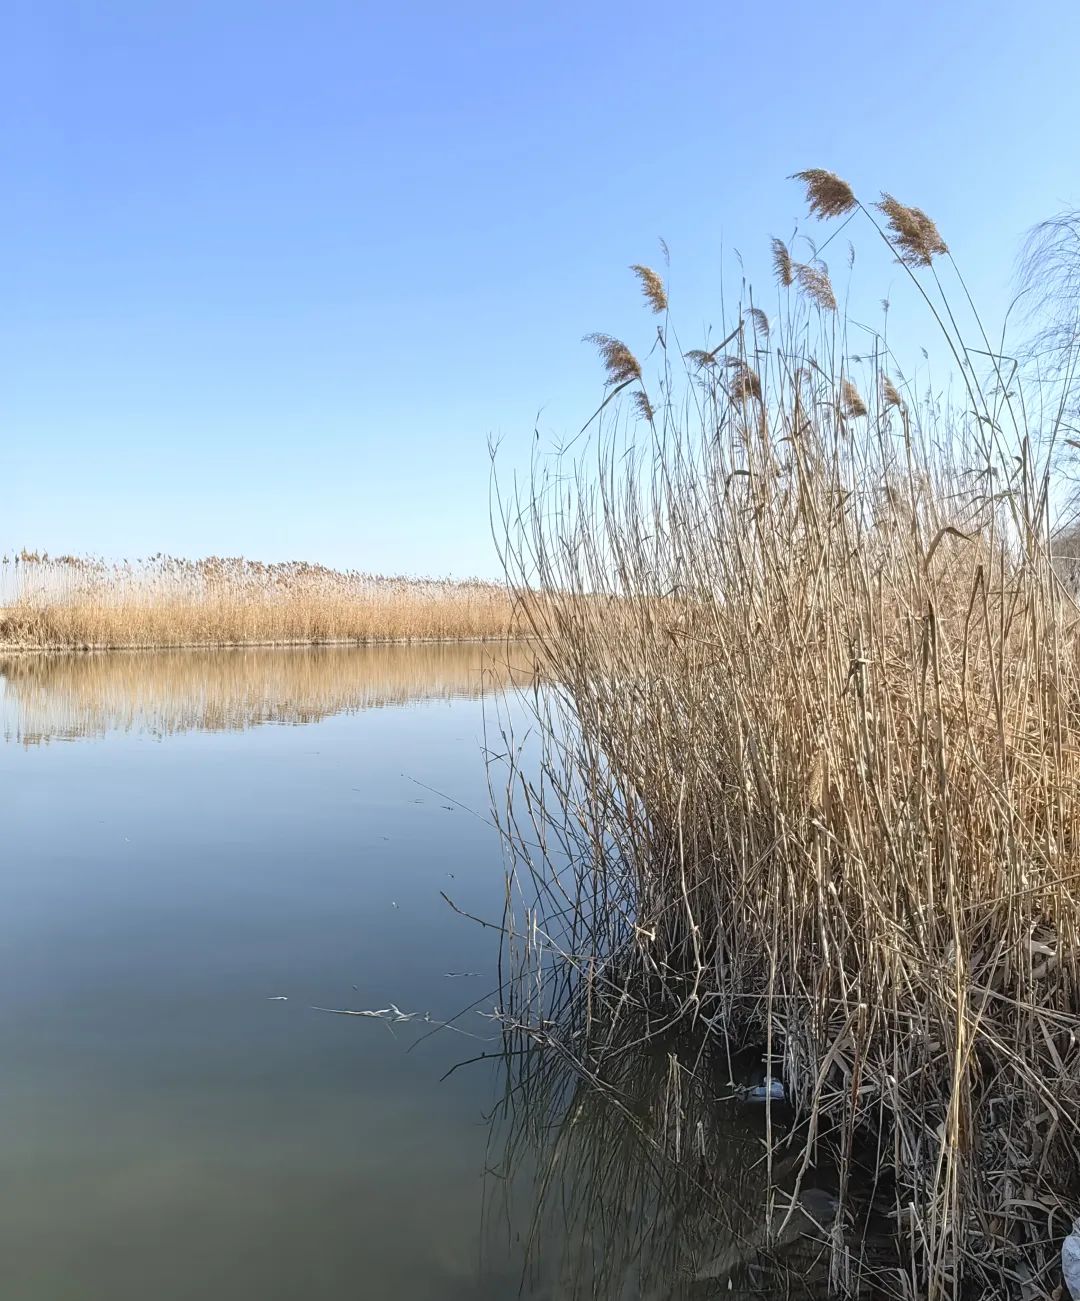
84 603
811 764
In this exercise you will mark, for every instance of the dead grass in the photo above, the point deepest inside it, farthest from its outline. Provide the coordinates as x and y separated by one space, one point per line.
811 771
77 603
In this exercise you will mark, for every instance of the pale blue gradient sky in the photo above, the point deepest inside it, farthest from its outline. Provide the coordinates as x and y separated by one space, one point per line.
271 274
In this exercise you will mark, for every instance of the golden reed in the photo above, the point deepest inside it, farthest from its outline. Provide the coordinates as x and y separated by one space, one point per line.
78 603
812 768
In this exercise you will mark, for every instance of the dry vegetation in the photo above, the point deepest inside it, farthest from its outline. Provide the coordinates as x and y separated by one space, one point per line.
811 783
77 603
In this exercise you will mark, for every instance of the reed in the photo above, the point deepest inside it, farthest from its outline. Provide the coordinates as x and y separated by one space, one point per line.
81 603
810 781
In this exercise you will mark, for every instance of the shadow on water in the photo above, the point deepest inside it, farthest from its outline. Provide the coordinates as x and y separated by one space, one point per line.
64 696
650 1167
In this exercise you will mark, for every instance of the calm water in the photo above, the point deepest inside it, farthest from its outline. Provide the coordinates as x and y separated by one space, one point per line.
198 849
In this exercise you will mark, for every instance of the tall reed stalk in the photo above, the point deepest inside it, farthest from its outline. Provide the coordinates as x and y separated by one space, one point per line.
811 771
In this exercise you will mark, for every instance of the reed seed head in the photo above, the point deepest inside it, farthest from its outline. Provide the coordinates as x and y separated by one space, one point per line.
890 394
782 263
760 322
914 234
701 358
826 193
816 285
743 381
644 406
851 402
619 362
652 287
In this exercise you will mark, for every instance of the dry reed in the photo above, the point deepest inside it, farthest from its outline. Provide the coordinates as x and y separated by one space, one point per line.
78 603
811 774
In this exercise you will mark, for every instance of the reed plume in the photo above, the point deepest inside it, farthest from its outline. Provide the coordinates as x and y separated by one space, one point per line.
700 358
826 194
815 283
851 402
620 363
652 287
916 238
759 321
890 395
782 264
644 406
743 382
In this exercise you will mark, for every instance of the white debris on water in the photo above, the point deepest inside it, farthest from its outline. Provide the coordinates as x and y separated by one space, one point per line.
772 1090
1070 1261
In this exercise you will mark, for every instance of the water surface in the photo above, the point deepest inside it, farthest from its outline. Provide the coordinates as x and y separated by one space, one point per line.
202 850
199 848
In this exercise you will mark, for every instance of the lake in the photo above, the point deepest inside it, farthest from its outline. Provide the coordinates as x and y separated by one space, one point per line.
209 857
201 848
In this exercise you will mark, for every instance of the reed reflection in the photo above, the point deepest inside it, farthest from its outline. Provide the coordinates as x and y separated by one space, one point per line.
69 696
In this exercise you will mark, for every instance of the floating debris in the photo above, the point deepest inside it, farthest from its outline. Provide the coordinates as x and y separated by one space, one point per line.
771 1090
1070 1261
392 1014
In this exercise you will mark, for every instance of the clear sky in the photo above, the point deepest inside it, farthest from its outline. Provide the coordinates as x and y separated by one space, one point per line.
271 273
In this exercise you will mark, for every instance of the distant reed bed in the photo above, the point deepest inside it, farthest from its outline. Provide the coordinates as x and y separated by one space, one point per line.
71 602
811 773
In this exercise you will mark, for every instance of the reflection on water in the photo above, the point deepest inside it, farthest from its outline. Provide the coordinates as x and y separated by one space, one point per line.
65 696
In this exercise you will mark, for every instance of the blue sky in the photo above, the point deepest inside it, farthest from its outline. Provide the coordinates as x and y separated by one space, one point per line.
271 274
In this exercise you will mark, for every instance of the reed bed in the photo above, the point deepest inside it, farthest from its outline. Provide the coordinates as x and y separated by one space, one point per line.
810 783
84 603
60 695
